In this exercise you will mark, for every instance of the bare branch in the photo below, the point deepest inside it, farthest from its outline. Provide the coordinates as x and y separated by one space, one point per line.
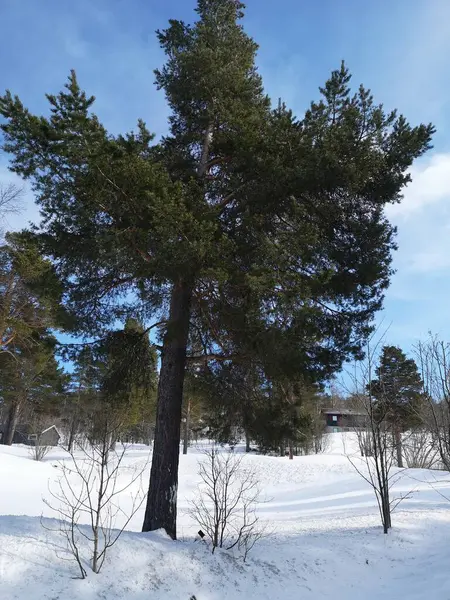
225 507
89 489
11 199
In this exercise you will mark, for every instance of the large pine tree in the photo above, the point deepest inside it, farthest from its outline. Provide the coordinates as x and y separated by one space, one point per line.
249 232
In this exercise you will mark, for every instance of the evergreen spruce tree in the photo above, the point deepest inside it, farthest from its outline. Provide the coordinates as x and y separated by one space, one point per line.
398 392
113 383
232 394
32 384
128 377
250 232
30 295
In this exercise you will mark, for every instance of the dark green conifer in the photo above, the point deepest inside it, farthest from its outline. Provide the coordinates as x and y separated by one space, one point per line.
398 393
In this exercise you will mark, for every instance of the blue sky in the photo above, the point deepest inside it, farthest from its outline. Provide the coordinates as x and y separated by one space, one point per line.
399 49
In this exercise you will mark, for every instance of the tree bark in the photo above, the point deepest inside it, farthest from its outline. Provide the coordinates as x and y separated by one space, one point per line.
398 445
161 509
72 433
386 510
11 423
247 442
186 428
291 451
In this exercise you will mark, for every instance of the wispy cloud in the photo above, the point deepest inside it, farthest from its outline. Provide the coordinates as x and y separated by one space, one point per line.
427 262
430 185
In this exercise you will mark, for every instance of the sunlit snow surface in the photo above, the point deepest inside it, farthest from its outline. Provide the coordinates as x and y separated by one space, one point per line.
325 538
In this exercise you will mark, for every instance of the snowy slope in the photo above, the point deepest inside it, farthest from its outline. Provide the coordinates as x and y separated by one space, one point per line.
325 541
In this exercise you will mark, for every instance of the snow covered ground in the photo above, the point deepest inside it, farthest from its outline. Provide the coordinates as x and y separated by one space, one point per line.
325 541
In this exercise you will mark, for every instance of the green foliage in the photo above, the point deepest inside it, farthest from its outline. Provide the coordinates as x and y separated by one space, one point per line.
31 382
114 380
238 399
232 393
286 417
398 388
128 382
30 294
109 198
32 378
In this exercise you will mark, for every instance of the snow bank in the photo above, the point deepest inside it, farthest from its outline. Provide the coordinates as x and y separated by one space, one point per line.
325 541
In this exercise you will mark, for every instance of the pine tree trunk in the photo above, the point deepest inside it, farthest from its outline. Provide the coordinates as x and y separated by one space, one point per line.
11 423
161 509
291 451
72 432
398 445
247 442
186 428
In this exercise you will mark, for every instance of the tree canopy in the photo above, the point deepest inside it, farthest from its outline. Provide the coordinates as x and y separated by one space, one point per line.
398 387
30 294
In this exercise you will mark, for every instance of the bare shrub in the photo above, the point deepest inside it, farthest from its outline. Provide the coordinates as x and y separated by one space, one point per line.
377 447
434 360
87 491
365 444
419 450
38 447
38 451
321 439
11 196
376 462
226 505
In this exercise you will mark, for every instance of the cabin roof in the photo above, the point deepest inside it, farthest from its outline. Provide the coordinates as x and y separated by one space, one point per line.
344 411
51 427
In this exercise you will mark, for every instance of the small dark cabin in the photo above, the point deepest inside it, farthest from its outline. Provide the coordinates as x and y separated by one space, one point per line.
344 419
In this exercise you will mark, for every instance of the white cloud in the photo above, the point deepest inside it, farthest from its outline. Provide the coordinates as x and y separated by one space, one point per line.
426 262
424 245
430 185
